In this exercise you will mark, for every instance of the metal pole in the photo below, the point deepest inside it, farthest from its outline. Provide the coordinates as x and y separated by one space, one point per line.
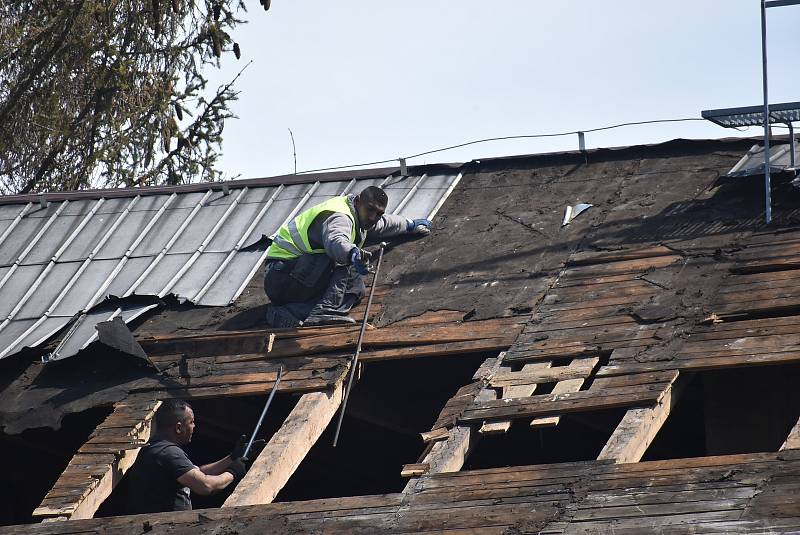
264 412
354 362
792 144
767 193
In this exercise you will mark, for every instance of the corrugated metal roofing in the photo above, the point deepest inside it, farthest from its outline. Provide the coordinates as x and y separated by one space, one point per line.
60 261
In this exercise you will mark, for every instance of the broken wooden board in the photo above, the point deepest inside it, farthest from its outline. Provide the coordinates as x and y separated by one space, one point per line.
415 470
512 391
559 404
584 368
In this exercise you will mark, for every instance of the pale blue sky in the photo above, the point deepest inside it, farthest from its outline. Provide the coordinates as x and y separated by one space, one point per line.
360 80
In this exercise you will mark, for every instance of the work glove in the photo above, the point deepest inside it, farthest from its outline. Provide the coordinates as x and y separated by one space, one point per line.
419 226
238 450
237 468
359 260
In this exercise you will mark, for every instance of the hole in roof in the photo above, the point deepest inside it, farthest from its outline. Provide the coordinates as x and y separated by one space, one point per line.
730 411
577 437
389 406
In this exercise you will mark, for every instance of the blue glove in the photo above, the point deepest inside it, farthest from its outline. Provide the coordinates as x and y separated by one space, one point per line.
419 226
357 262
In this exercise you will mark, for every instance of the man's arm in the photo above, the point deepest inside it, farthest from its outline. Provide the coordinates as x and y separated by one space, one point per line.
217 467
389 225
205 484
336 231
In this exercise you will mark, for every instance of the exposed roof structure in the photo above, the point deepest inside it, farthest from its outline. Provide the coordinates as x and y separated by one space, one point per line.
633 371
61 259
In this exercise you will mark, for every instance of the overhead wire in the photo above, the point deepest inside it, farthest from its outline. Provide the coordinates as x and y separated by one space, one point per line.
501 138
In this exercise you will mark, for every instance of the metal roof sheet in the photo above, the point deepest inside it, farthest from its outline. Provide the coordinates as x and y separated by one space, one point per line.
61 260
752 163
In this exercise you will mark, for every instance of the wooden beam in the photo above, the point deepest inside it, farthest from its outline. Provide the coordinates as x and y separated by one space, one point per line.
496 428
793 440
570 385
559 404
639 427
287 448
100 463
450 455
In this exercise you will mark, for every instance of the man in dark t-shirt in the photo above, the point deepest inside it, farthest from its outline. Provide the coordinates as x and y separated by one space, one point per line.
163 477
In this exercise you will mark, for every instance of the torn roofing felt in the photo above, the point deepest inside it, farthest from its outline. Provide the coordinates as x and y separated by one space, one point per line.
499 241
62 258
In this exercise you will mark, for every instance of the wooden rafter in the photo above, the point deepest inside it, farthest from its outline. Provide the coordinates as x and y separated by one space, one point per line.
100 463
639 427
287 448
793 440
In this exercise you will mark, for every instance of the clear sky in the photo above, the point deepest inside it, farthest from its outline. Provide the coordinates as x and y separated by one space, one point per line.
366 80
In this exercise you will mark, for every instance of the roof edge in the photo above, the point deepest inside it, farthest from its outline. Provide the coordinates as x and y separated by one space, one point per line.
288 180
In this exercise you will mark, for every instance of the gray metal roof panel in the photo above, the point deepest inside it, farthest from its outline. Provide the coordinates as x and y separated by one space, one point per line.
13 332
76 297
22 277
244 265
48 291
84 331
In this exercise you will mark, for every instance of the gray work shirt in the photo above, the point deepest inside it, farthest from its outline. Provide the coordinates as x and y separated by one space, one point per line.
332 231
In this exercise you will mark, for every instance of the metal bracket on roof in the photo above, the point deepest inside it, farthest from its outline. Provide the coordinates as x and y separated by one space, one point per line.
403 168
43 201
225 189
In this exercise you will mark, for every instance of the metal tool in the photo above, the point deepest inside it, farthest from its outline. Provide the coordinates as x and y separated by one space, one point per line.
264 412
354 362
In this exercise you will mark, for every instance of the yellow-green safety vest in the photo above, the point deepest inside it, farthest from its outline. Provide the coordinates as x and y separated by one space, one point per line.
291 241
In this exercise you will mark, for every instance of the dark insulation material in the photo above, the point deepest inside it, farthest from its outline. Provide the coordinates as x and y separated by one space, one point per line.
499 242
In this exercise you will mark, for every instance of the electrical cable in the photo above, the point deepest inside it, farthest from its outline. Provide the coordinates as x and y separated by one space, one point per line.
502 138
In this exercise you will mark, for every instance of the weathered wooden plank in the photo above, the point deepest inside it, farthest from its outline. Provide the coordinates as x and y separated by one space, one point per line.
512 391
414 470
455 349
75 495
793 439
602 257
620 268
249 342
287 448
450 454
569 385
579 369
558 404
639 427
700 363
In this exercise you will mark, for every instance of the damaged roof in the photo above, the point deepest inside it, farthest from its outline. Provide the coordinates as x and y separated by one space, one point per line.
64 256
669 273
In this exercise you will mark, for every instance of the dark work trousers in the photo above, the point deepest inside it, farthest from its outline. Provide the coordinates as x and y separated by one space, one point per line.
313 285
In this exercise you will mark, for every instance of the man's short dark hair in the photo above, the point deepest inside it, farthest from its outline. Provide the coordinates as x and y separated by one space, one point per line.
171 412
375 195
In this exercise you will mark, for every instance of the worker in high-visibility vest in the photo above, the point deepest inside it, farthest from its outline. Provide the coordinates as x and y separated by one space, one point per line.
316 261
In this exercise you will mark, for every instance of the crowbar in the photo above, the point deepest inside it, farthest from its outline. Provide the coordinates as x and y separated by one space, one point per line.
264 412
354 362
